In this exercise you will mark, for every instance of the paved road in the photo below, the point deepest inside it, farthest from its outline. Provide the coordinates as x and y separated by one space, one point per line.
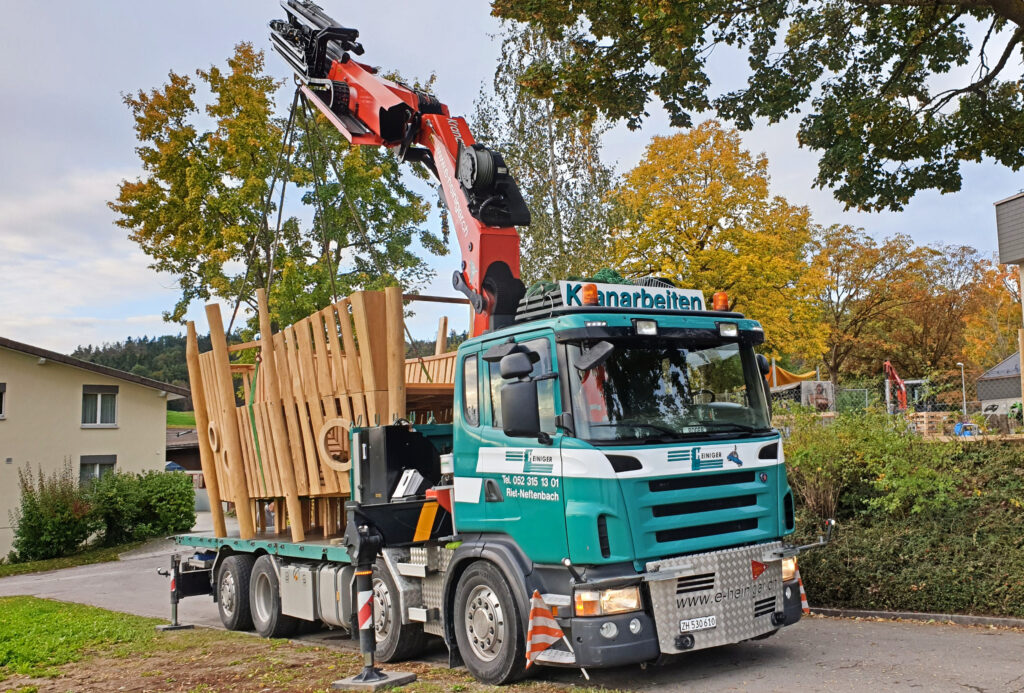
818 654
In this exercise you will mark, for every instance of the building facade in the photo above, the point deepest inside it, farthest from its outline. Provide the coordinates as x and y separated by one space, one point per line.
56 410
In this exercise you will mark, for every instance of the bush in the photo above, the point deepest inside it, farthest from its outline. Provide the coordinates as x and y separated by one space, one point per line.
54 517
130 507
923 526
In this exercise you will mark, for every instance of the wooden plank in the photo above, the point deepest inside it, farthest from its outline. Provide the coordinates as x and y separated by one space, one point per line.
371 331
199 403
308 437
308 370
232 444
291 419
442 336
309 408
274 415
353 369
395 353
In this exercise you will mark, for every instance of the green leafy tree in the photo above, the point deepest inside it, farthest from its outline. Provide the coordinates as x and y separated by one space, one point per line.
555 160
203 209
894 93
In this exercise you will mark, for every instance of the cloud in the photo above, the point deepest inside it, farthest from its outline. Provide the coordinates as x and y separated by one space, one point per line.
71 276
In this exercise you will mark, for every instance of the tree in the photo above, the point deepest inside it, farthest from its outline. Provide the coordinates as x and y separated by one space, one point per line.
894 93
203 209
925 335
865 284
556 161
990 330
697 209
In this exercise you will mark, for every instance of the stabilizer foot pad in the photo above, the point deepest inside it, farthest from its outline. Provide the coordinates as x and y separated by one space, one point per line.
180 626
392 679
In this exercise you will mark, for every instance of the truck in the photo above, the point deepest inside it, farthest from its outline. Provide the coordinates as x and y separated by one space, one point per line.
610 449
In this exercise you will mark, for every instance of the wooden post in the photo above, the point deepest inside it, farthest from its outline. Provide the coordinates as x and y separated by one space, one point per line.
442 336
229 436
206 460
278 431
396 353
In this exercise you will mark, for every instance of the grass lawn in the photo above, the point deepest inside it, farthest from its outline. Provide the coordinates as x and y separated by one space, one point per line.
181 419
101 555
48 645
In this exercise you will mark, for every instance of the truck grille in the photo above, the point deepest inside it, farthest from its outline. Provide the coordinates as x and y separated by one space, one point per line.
700 511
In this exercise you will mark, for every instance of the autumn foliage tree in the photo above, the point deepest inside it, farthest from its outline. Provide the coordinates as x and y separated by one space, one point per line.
203 210
698 209
990 327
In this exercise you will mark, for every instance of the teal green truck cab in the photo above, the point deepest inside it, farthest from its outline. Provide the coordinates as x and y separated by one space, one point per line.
610 450
653 470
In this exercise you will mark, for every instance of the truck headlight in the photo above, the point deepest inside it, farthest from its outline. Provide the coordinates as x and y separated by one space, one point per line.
788 569
607 602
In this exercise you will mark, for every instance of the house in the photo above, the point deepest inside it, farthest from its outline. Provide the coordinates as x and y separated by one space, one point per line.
55 409
999 387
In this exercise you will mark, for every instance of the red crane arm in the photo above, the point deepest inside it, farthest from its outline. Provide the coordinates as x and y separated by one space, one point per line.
901 387
484 202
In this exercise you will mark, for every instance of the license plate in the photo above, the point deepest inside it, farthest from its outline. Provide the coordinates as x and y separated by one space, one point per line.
703 623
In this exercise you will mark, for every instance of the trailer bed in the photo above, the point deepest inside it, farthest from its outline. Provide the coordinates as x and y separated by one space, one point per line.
274 544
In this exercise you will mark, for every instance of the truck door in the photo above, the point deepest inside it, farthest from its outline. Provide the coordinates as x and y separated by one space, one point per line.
522 478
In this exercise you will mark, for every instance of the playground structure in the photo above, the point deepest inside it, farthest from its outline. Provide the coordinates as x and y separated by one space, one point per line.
286 442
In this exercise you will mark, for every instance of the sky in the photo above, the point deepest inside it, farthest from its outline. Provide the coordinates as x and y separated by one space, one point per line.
71 276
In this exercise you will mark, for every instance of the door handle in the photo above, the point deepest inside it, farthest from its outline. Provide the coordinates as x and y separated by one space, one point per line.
492 494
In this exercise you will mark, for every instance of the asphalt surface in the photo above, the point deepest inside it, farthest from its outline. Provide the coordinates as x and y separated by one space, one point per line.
818 654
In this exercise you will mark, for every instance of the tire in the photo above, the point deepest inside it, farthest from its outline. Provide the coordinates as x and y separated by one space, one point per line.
233 578
488 626
395 641
265 602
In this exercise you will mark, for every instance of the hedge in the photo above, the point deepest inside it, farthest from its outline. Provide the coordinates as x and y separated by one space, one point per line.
921 525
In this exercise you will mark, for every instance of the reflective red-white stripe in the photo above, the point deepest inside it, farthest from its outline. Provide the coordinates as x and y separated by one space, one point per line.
365 610
803 595
544 629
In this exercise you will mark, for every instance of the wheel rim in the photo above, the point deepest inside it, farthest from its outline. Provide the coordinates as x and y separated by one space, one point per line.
484 623
382 623
227 593
264 593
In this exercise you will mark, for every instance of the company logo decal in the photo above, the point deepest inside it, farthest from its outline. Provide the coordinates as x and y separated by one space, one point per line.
533 461
757 568
734 457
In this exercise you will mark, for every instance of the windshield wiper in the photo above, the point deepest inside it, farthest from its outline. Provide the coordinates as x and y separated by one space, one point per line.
736 426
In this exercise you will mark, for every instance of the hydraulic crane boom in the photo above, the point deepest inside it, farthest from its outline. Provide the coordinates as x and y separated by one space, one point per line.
483 199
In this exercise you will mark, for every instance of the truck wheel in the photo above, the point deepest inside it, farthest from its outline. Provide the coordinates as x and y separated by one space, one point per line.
487 626
233 592
265 602
395 641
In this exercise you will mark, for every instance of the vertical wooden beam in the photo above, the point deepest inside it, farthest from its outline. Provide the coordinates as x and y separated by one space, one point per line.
206 459
442 336
278 430
395 352
353 369
229 433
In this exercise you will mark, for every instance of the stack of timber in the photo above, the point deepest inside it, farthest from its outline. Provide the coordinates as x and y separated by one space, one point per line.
929 423
274 421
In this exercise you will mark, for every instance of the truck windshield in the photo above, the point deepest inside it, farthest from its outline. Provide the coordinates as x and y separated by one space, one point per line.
661 391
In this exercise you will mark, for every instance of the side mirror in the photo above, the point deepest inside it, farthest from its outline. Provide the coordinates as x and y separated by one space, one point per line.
520 408
594 356
763 364
515 365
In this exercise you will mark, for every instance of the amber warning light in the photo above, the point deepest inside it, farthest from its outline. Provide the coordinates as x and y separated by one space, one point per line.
720 301
590 295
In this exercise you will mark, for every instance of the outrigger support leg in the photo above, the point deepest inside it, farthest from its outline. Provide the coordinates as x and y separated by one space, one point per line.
364 542
175 574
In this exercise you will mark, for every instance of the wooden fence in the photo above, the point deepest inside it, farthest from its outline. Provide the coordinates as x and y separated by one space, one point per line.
276 430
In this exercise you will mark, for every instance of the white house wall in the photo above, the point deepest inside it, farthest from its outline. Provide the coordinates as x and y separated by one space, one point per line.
42 425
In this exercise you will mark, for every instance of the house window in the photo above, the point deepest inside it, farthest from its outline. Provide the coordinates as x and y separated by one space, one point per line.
99 405
3 401
95 466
